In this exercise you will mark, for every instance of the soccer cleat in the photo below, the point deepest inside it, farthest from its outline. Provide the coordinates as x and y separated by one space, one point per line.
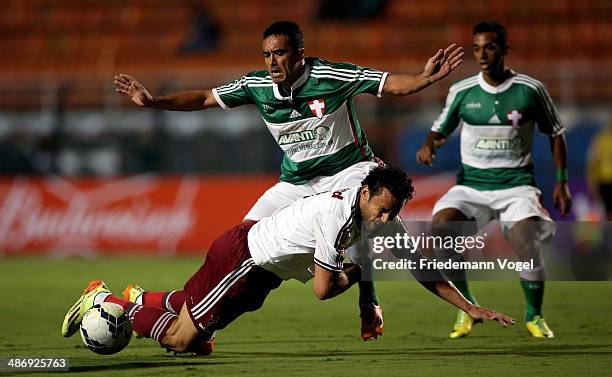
72 319
463 325
372 324
202 348
539 328
132 293
206 348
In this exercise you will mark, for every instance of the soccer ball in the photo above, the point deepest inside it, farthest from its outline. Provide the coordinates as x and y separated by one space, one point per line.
106 329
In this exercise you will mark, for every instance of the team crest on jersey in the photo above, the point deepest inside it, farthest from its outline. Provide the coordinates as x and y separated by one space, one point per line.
514 117
317 107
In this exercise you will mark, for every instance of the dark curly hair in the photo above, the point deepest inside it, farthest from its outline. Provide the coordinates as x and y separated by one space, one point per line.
393 179
493 27
288 28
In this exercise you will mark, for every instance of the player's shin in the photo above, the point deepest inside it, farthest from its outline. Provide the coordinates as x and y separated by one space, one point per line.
147 321
532 283
169 300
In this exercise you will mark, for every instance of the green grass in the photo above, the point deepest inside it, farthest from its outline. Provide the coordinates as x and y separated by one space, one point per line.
294 334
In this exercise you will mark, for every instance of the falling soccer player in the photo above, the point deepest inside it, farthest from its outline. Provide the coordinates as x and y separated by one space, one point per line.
304 240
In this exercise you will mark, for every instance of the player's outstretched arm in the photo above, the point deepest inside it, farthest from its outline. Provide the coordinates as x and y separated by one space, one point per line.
479 313
449 293
436 68
561 194
183 101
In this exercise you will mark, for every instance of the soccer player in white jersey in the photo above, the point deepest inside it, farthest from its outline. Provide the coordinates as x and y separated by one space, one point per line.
304 240
307 104
498 110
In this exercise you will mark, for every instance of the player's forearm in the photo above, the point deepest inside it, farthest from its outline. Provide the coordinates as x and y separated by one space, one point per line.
184 101
342 281
559 151
447 291
435 139
405 84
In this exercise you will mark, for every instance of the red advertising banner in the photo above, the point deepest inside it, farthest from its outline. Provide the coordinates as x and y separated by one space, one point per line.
143 214
149 214
427 190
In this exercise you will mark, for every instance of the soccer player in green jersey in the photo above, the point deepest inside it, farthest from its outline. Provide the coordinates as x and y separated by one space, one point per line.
307 105
498 109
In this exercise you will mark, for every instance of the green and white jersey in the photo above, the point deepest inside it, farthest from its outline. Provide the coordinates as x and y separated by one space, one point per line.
315 124
497 128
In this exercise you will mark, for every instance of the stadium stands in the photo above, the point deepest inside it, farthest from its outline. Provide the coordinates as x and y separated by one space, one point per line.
64 37
61 55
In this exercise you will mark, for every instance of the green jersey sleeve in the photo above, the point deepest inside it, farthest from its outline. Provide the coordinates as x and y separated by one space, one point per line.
347 79
235 93
546 114
449 119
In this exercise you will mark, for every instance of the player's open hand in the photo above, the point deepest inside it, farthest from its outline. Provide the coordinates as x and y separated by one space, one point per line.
443 62
562 198
479 314
128 85
426 154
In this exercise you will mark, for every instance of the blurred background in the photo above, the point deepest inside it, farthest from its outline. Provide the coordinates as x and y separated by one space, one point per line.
85 171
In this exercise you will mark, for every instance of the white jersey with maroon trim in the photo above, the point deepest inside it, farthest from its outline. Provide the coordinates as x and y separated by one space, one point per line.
315 229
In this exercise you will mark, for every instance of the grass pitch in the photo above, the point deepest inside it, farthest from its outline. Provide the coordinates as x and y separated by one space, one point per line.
295 334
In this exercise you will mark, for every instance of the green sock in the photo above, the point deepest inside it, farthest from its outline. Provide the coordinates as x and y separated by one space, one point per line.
462 286
367 292
534 296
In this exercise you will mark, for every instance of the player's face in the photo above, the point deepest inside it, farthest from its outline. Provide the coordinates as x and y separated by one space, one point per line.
378 209
487 52
283 64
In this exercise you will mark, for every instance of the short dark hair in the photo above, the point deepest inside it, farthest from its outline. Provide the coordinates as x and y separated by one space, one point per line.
288 28
393 179
493 27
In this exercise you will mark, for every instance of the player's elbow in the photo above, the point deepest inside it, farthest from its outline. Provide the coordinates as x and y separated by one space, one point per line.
323 291
326 284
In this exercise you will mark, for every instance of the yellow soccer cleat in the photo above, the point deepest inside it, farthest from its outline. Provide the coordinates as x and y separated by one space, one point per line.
132 292
72 319
539 328
463 325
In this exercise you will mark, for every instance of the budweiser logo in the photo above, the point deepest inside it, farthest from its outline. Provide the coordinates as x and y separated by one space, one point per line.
57 214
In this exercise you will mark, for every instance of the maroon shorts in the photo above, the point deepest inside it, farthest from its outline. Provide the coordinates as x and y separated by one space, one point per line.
228 283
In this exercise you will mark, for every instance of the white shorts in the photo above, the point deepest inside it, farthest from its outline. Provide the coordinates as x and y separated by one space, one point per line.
283 194
508 205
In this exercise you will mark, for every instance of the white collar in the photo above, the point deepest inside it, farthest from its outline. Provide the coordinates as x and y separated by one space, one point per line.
495 89
299 82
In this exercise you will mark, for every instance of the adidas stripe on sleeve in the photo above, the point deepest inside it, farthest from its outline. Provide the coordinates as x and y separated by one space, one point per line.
449 119
352 79
546 113
237 93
